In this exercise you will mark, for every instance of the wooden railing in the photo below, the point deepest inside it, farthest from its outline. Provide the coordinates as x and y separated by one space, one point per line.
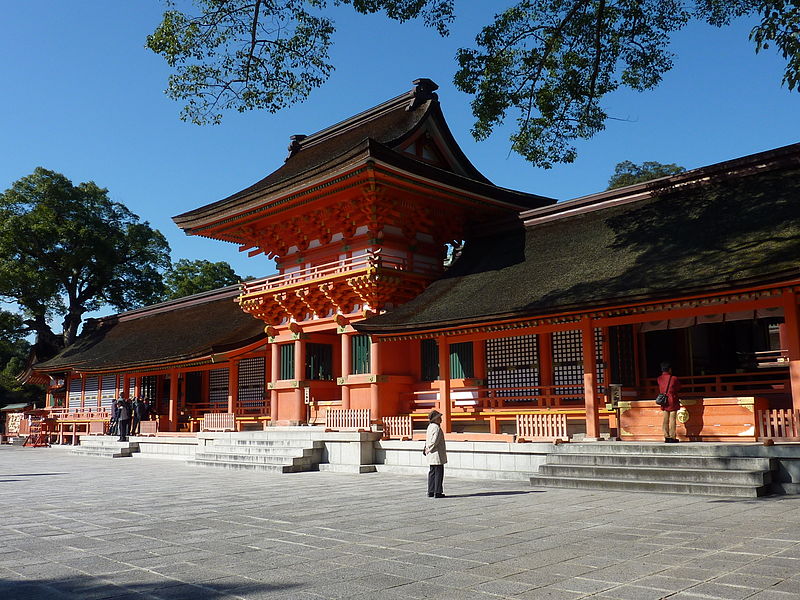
148 428
398 427
219 422
542 427
329 270
780 424
726 384
353 418
509 398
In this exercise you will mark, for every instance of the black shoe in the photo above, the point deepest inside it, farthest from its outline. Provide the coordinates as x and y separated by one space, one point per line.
670 440
430 495
439 496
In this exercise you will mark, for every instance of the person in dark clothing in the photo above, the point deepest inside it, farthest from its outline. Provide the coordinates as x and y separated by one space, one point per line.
138 414
113 425
670 385
124 419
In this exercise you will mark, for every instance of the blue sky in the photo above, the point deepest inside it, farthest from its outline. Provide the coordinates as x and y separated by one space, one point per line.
82 96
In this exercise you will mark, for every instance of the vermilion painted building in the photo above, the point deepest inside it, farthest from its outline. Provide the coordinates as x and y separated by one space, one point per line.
547 305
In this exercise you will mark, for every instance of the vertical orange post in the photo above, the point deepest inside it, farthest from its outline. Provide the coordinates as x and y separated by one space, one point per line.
376 368
172 417
590 380
137 387
233 386
126 386
347 367
791 320
275 366
299 412
479 358
444 384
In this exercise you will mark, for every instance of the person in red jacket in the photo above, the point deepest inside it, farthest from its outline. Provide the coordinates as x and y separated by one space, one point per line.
670 385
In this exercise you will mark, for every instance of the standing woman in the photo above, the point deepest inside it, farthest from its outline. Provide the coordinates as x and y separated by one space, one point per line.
670 385
436 452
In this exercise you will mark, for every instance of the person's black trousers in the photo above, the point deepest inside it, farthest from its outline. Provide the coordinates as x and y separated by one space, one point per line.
135 426
435 479
123 429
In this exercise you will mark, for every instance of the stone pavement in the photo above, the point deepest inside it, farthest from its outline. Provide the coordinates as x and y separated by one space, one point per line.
91 528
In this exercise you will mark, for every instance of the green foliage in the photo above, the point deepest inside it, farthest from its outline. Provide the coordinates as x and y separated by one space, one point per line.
187 277
548 63
14 350
259 54
628 173
66 250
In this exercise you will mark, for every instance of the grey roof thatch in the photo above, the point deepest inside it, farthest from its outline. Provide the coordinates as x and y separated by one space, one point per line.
718 228
178 331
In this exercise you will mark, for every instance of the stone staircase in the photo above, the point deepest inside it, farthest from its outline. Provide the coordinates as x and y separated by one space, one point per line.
699 469
273 451
105 446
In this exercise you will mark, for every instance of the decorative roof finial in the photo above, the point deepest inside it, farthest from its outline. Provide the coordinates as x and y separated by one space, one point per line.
424 90
294 145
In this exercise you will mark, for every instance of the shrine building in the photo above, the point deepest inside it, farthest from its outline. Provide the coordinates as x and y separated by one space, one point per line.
408 281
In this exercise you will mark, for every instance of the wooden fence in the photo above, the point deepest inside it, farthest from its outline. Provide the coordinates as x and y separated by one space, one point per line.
779 424
354 418
219 422
398 427
542 427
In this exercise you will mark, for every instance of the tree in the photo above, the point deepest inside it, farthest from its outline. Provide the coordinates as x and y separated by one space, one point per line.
14 350
187 277
66 250
550 63
628 173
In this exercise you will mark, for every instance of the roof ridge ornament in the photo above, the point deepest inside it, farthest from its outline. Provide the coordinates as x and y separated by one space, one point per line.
424 90
294 145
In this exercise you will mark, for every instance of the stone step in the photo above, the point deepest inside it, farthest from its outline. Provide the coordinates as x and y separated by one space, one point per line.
253 459
199 462
662 487
257 443
261 450
660 448
102 452
661 474
661 460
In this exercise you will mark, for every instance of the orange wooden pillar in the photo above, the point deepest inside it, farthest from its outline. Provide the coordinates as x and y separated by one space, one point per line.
444 384
298 411
172 416
275 366
590 380
791 319
233 386
126 386
347 367
375 367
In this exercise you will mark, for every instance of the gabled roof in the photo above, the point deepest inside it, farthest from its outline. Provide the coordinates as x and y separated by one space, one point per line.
184 330
388 127
723 227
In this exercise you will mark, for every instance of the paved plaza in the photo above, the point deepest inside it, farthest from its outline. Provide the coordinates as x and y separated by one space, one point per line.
90 528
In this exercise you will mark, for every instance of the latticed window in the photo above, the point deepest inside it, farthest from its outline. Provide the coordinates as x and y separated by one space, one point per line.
148 388
623 363
108 391
91 392
462 362
429 357
599 340
132 387
252 372
360 345
218 388
511 363
75 387
319 361
287 361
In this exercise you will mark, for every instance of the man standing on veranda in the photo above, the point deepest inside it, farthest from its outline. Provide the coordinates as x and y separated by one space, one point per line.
436 452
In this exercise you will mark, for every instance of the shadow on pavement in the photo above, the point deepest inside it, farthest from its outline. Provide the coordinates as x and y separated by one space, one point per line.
509 493
80 588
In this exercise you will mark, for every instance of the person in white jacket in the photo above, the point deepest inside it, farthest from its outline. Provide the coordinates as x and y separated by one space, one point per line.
436 452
